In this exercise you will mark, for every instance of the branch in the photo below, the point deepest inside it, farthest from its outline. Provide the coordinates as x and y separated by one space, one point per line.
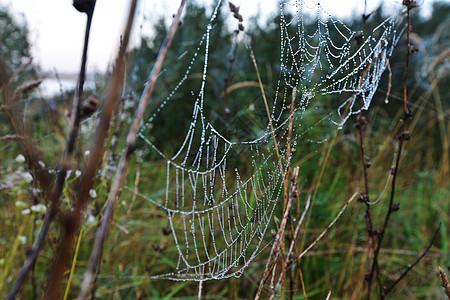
125 159
416 262
328 227
403 136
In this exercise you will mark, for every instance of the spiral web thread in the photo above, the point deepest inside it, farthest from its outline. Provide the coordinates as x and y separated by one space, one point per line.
218 218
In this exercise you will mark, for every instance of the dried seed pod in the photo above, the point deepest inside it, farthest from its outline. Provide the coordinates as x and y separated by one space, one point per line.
238 17
241 27
233 7
90 105
84 6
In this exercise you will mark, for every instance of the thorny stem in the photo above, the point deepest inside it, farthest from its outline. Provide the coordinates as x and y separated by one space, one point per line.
61 175
125 159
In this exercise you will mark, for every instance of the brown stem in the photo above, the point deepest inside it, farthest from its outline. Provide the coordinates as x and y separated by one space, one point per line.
365 198
275 252
61 175
125 159
404 136
73 221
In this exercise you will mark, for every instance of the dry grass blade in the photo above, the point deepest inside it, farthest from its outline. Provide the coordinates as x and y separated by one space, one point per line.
328 227
275 251
10 137
416 262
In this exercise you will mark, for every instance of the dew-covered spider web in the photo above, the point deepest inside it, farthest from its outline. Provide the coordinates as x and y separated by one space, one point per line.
222 187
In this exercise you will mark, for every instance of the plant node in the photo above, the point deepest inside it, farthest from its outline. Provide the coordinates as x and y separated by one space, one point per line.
395 207
404 136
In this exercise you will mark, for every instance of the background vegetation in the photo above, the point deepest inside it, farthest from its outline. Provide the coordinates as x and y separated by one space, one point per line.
337 263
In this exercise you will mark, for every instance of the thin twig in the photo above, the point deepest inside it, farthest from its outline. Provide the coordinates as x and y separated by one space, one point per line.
266 105
293 247
125 159
403 136
286 185
416 262
328 227
10 137
364 197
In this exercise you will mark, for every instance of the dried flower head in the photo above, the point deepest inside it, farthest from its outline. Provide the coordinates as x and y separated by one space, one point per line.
85 6
90 105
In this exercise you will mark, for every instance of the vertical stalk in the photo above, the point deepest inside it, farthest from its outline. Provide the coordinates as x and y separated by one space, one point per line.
61 175
125 159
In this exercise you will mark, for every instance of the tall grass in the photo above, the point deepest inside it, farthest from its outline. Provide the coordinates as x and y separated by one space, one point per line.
136 248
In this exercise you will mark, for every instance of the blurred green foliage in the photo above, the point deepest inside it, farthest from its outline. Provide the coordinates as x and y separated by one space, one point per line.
338 262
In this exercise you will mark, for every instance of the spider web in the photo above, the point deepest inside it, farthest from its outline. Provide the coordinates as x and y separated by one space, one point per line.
221 190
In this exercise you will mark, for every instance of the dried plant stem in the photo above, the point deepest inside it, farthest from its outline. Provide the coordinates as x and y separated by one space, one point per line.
328 227
61 174
297 231
125 158
364 197
73 221
286 185
10 137
416 262
402 137
263 93
275 251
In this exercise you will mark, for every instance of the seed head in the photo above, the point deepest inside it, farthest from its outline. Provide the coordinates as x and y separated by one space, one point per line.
84 6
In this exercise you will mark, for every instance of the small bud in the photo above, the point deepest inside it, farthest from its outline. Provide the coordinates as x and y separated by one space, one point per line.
20 158
404 136
273 232
92 193
166 231
395 207
27 177
233 7
90 105
362 197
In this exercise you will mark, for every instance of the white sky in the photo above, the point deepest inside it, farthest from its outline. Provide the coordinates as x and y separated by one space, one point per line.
57 29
